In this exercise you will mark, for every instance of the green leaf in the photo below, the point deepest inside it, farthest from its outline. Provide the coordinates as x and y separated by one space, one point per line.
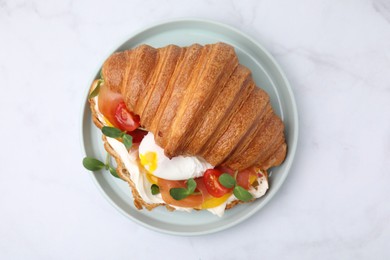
191 186
179 193
112 132
113 172
227 180
95 92
155 189
101 74
92 164
127 141
182 193
242 194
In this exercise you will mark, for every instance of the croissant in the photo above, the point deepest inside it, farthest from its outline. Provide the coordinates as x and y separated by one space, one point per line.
199 100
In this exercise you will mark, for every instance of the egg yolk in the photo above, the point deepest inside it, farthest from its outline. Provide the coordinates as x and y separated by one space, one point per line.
214 202
149 161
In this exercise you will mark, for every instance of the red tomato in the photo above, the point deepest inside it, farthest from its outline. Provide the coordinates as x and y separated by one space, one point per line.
126 120
113 108
192 201
111 105
213 186
138 135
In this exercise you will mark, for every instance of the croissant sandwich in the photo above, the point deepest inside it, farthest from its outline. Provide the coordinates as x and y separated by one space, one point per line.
187 126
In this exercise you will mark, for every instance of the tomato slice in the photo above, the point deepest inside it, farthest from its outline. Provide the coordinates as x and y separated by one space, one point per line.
138 135
126 120
112 106
213 186
208 200
192 201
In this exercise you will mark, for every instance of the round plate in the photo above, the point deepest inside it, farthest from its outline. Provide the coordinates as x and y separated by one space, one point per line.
266 73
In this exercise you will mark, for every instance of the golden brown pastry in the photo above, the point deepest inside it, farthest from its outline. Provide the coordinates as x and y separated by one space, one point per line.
199 100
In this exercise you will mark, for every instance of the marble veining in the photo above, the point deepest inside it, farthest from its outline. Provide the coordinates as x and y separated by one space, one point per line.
383 8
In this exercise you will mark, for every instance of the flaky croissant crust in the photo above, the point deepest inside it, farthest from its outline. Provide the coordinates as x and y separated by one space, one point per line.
199 100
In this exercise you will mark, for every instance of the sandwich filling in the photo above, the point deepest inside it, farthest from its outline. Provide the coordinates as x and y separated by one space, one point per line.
149 166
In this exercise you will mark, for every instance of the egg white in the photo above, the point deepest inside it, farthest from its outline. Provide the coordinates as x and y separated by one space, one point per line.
178 168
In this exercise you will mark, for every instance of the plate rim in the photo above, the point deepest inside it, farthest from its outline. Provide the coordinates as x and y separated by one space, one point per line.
291 150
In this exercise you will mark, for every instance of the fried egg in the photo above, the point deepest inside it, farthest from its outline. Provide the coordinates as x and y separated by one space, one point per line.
153 159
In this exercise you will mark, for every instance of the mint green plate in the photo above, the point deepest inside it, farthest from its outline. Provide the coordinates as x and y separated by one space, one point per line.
266 74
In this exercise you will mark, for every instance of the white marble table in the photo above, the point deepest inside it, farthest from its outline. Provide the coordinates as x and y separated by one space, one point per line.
335 203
